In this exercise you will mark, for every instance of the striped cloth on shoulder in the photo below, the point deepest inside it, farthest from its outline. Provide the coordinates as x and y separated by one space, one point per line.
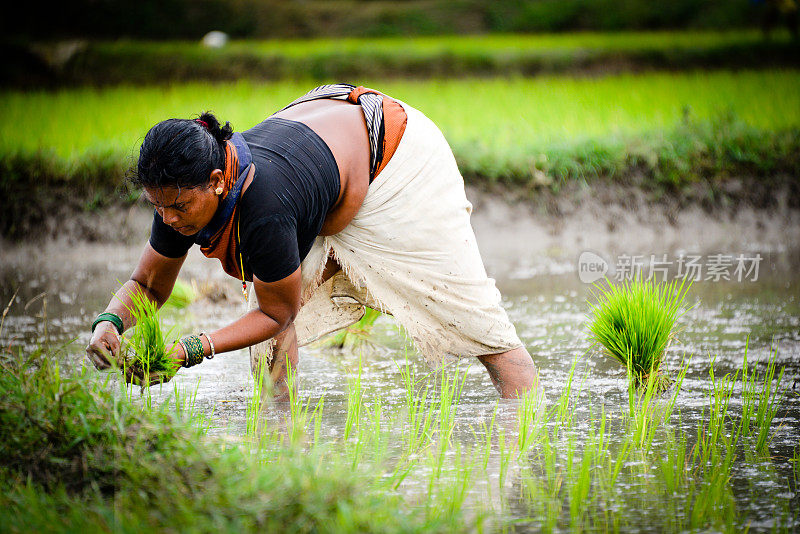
386 119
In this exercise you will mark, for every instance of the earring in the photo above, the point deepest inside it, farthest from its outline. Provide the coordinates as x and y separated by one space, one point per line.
218 190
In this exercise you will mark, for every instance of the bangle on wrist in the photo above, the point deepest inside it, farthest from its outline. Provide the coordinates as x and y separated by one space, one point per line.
193 347
112 318
210 344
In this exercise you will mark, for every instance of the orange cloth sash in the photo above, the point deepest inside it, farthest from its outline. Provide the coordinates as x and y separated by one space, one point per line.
223 243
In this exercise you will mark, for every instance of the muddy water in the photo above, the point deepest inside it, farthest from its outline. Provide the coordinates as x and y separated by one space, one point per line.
61 291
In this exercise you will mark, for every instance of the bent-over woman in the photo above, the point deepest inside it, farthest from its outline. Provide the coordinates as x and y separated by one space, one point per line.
345 198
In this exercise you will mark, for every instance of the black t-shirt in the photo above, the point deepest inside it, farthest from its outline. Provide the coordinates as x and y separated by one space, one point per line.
296 183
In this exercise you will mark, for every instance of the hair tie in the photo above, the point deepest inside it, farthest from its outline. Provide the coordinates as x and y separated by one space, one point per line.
201 122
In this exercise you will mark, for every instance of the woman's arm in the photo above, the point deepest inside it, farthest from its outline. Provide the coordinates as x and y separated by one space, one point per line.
278 304
155 276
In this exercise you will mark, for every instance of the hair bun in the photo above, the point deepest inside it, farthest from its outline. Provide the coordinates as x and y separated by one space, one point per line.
210 123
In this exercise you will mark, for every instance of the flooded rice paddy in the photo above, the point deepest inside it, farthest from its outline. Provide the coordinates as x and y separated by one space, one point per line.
628 489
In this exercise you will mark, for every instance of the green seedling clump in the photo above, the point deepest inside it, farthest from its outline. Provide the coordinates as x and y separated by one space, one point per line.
147 347
634 323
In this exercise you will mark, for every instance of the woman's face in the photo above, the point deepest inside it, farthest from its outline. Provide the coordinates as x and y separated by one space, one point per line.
186 210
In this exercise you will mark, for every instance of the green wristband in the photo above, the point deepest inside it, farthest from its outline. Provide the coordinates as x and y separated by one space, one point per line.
112 318
193 347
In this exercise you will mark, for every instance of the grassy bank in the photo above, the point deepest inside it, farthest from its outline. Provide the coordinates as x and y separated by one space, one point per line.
104 63
675 130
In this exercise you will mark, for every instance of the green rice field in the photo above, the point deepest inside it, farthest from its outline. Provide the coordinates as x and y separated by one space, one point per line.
672 129
508 121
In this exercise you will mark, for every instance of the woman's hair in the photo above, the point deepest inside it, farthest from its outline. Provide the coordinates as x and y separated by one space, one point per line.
182 152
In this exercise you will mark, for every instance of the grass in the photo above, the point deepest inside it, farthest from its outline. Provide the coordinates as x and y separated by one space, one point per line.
634 322
325 59
670 131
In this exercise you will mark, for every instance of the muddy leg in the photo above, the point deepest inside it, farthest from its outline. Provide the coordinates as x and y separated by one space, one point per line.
513 372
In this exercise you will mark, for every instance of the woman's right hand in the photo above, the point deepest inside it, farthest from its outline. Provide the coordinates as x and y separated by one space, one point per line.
103 349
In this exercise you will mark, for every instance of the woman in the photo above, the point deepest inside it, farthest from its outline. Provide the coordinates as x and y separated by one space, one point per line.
346 197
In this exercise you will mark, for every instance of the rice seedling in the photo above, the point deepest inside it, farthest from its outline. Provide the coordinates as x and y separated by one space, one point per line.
185 403
769 399
451 383
587 468
450 390
748 395
535 500
451 492
147 354
579 467
634 324
712 427
711 500
531 419
77 456
419 416
378 436
485 437
255 402
553 477
299 411
562 411
505 452
643 416
355 403
672 465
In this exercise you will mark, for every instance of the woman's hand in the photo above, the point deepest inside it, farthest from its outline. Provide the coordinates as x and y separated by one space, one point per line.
139 378
103 349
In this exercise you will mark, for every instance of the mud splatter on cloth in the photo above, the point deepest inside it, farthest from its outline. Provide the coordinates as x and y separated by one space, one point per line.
410 251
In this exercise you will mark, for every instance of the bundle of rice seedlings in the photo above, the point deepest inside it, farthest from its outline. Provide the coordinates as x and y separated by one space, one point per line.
634 323
146 345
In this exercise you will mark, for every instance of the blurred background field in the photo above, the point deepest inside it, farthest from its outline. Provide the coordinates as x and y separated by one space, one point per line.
504 117
174 19
675 127
81 62
535 94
